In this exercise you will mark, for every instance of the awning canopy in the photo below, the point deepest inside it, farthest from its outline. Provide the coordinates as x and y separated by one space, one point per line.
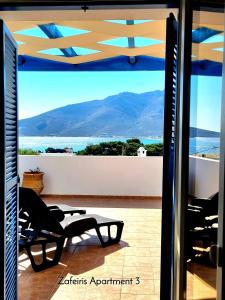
112 44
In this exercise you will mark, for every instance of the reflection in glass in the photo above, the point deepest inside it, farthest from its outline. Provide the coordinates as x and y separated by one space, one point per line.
206 93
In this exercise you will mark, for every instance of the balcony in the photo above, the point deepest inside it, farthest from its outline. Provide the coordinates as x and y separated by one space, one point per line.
126 188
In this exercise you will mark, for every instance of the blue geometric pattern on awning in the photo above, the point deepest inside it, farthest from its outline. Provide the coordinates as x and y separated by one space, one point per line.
68 31
218 38
34 31
120 63
123 42
125 22
207 68
52 31
203 33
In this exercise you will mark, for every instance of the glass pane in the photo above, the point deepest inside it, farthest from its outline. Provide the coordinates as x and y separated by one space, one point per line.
204 160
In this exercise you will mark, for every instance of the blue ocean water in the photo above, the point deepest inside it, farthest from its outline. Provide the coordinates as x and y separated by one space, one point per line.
197 145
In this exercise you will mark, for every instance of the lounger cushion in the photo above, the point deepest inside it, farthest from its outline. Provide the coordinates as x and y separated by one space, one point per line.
100 221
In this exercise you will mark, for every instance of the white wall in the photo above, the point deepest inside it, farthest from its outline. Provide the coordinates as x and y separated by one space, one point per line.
97 175
203 177
116 175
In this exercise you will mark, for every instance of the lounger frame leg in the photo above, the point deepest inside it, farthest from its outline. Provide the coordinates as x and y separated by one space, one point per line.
110 240
45 262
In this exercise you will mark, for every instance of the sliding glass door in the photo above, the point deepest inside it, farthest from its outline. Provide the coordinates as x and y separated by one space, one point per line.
205 211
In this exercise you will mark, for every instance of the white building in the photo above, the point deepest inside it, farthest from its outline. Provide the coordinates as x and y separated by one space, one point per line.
141 151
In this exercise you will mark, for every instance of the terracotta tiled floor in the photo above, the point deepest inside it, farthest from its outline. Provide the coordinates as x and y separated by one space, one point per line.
138 254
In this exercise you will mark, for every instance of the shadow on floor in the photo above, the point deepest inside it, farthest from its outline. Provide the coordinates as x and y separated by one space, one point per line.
78 261
79 256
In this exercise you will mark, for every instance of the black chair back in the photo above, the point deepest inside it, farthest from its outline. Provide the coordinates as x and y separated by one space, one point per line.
40 216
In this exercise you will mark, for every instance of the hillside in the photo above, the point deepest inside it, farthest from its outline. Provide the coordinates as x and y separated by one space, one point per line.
197 132
126 114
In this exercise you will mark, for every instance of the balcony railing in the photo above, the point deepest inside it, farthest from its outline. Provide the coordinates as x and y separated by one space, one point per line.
116 175
97 175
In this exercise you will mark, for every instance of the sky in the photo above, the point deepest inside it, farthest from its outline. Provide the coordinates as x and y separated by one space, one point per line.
206 94
42 91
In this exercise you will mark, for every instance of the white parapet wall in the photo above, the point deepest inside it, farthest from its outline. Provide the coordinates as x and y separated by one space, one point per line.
97 175
116 175
203 176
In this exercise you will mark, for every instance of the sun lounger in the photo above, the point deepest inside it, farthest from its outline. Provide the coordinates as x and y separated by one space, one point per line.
41 225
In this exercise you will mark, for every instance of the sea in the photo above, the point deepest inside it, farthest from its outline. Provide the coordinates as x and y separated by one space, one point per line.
199 145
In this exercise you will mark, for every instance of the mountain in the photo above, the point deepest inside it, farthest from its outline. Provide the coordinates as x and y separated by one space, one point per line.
125 114
197 132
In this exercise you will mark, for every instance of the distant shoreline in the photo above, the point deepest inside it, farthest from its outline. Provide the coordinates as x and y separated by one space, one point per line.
199 145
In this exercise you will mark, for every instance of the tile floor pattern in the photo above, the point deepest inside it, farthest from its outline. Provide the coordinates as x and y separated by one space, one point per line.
137 255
